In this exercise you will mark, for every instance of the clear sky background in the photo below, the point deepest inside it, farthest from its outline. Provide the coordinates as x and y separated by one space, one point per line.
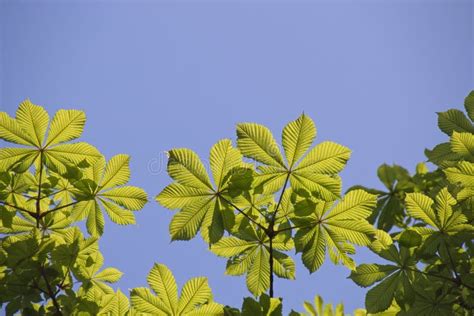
153 75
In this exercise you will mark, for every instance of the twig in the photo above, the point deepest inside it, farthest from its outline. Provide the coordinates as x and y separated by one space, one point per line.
243 213
58 208
51 294
19 208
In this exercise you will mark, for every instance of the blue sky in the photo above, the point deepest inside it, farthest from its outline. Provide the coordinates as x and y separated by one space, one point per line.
153 75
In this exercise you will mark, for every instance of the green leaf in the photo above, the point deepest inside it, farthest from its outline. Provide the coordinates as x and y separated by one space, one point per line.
240 264
144 301
65 126
297 137
442 155
130 197
356 204
11 131
258 278
367 274
186 223
444 206
117 172
162 281
196 296
186 168
313 245
223 158
212 228
325 158
283 265
117 214
60 156
463 144
469 105
95 218
251 307
410 238
230 246
454 120
34 120
387 175
110 275
210 309
322 186
462 174
380 297
195 292
256 141
177 196
123 305
19 159
420 206
335 229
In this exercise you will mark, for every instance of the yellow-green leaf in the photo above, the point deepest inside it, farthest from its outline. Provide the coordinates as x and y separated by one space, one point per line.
34 120
297 137
65 126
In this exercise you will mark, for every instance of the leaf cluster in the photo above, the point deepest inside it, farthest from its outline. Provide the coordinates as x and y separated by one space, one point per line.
430 218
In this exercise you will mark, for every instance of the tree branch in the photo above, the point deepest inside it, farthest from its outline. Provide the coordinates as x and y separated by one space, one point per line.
271 266
51 293
58 208
281 198
271 233
453 265
19 208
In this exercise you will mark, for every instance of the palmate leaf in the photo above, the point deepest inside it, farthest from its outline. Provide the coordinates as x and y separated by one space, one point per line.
314 172
334 229
92 279
195 299
319 308
201 204
29 128
395 280
250 253
103 189
442 217
115 304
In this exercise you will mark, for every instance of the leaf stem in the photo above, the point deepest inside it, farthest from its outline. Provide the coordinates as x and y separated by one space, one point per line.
271 233
271 266
243 213
58 208
19 208
281 197
456 275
